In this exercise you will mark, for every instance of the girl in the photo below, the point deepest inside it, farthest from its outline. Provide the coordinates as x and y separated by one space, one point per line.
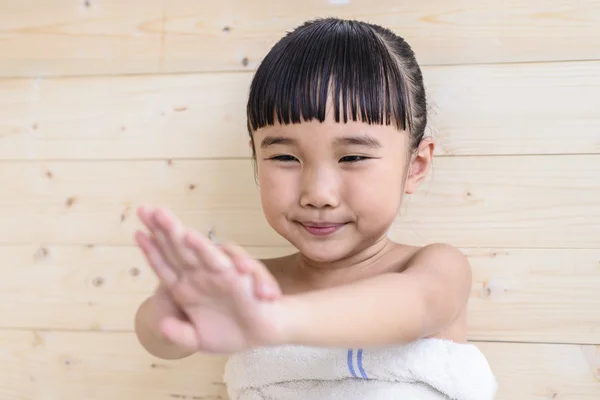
336 117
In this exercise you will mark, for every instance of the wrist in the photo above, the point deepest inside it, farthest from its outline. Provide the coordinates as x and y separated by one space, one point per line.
290 317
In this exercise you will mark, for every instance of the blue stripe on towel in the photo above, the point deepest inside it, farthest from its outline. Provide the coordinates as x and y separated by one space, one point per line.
350 366
360 366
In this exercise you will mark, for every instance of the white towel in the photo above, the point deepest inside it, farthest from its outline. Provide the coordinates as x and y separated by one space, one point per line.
425 369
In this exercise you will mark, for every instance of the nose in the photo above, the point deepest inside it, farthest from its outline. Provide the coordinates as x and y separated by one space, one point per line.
320 188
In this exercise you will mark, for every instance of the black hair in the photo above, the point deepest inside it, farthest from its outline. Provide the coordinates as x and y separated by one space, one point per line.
369 72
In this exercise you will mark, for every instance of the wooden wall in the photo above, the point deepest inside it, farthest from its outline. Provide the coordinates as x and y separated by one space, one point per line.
108 104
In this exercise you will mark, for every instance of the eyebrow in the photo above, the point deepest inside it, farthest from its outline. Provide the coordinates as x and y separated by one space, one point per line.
366 141
273 140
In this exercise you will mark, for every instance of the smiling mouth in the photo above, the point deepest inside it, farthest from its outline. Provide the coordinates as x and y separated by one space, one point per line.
321 228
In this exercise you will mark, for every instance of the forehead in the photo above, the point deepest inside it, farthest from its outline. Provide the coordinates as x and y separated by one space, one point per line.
329 132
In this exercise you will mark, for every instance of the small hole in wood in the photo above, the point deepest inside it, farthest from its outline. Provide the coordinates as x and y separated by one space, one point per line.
134 271
98 281
70 201
245 61
486 292
41 253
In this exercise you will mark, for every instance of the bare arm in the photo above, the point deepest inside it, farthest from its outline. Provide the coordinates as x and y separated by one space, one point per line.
393 308
223 315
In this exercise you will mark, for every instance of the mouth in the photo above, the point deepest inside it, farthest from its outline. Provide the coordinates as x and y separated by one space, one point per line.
321 228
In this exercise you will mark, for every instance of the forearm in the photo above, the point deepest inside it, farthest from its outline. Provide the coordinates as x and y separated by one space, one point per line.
385 310
146 329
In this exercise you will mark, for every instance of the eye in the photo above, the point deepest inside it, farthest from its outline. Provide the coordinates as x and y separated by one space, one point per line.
283 158
353 159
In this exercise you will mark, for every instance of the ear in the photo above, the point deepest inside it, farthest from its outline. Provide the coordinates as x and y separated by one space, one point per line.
419 165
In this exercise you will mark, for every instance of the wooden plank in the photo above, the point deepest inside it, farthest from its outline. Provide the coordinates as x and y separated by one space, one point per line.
175 116
75 366
475 110
86 37
69 365
112 37
548 202
237 34
513 109
537 295
544 371
517 295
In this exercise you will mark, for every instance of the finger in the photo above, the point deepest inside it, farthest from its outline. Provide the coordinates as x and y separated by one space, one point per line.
241 260
181 333
210 255
166 248
173 232
154 257
148 217
266 286
145 213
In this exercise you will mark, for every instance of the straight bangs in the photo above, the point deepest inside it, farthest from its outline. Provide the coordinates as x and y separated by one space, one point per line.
338 64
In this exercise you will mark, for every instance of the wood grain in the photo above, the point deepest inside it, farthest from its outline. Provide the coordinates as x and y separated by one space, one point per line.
70 365
111 37
518 294
554 291
474 110
87 37
237 34
66 365
545 202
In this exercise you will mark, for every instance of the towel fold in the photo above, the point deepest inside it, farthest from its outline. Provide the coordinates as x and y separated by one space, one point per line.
427 369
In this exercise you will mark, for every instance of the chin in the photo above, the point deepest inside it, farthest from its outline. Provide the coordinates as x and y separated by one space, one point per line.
324 251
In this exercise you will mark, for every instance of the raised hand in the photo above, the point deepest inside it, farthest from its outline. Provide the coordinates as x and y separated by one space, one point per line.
227 299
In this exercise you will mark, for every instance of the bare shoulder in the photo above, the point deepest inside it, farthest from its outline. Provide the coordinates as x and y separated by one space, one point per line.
441 257
443 274
442 264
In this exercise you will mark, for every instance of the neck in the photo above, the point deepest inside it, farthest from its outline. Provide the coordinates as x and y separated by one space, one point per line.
354 266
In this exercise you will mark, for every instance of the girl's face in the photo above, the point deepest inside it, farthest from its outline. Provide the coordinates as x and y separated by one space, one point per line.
333 189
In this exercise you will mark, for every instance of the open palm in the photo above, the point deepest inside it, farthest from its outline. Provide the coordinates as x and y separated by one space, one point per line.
221 311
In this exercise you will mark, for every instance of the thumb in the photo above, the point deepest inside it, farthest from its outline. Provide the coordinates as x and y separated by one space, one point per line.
180 332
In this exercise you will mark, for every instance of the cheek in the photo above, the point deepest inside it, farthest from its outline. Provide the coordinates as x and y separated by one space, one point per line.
276 189
377 193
